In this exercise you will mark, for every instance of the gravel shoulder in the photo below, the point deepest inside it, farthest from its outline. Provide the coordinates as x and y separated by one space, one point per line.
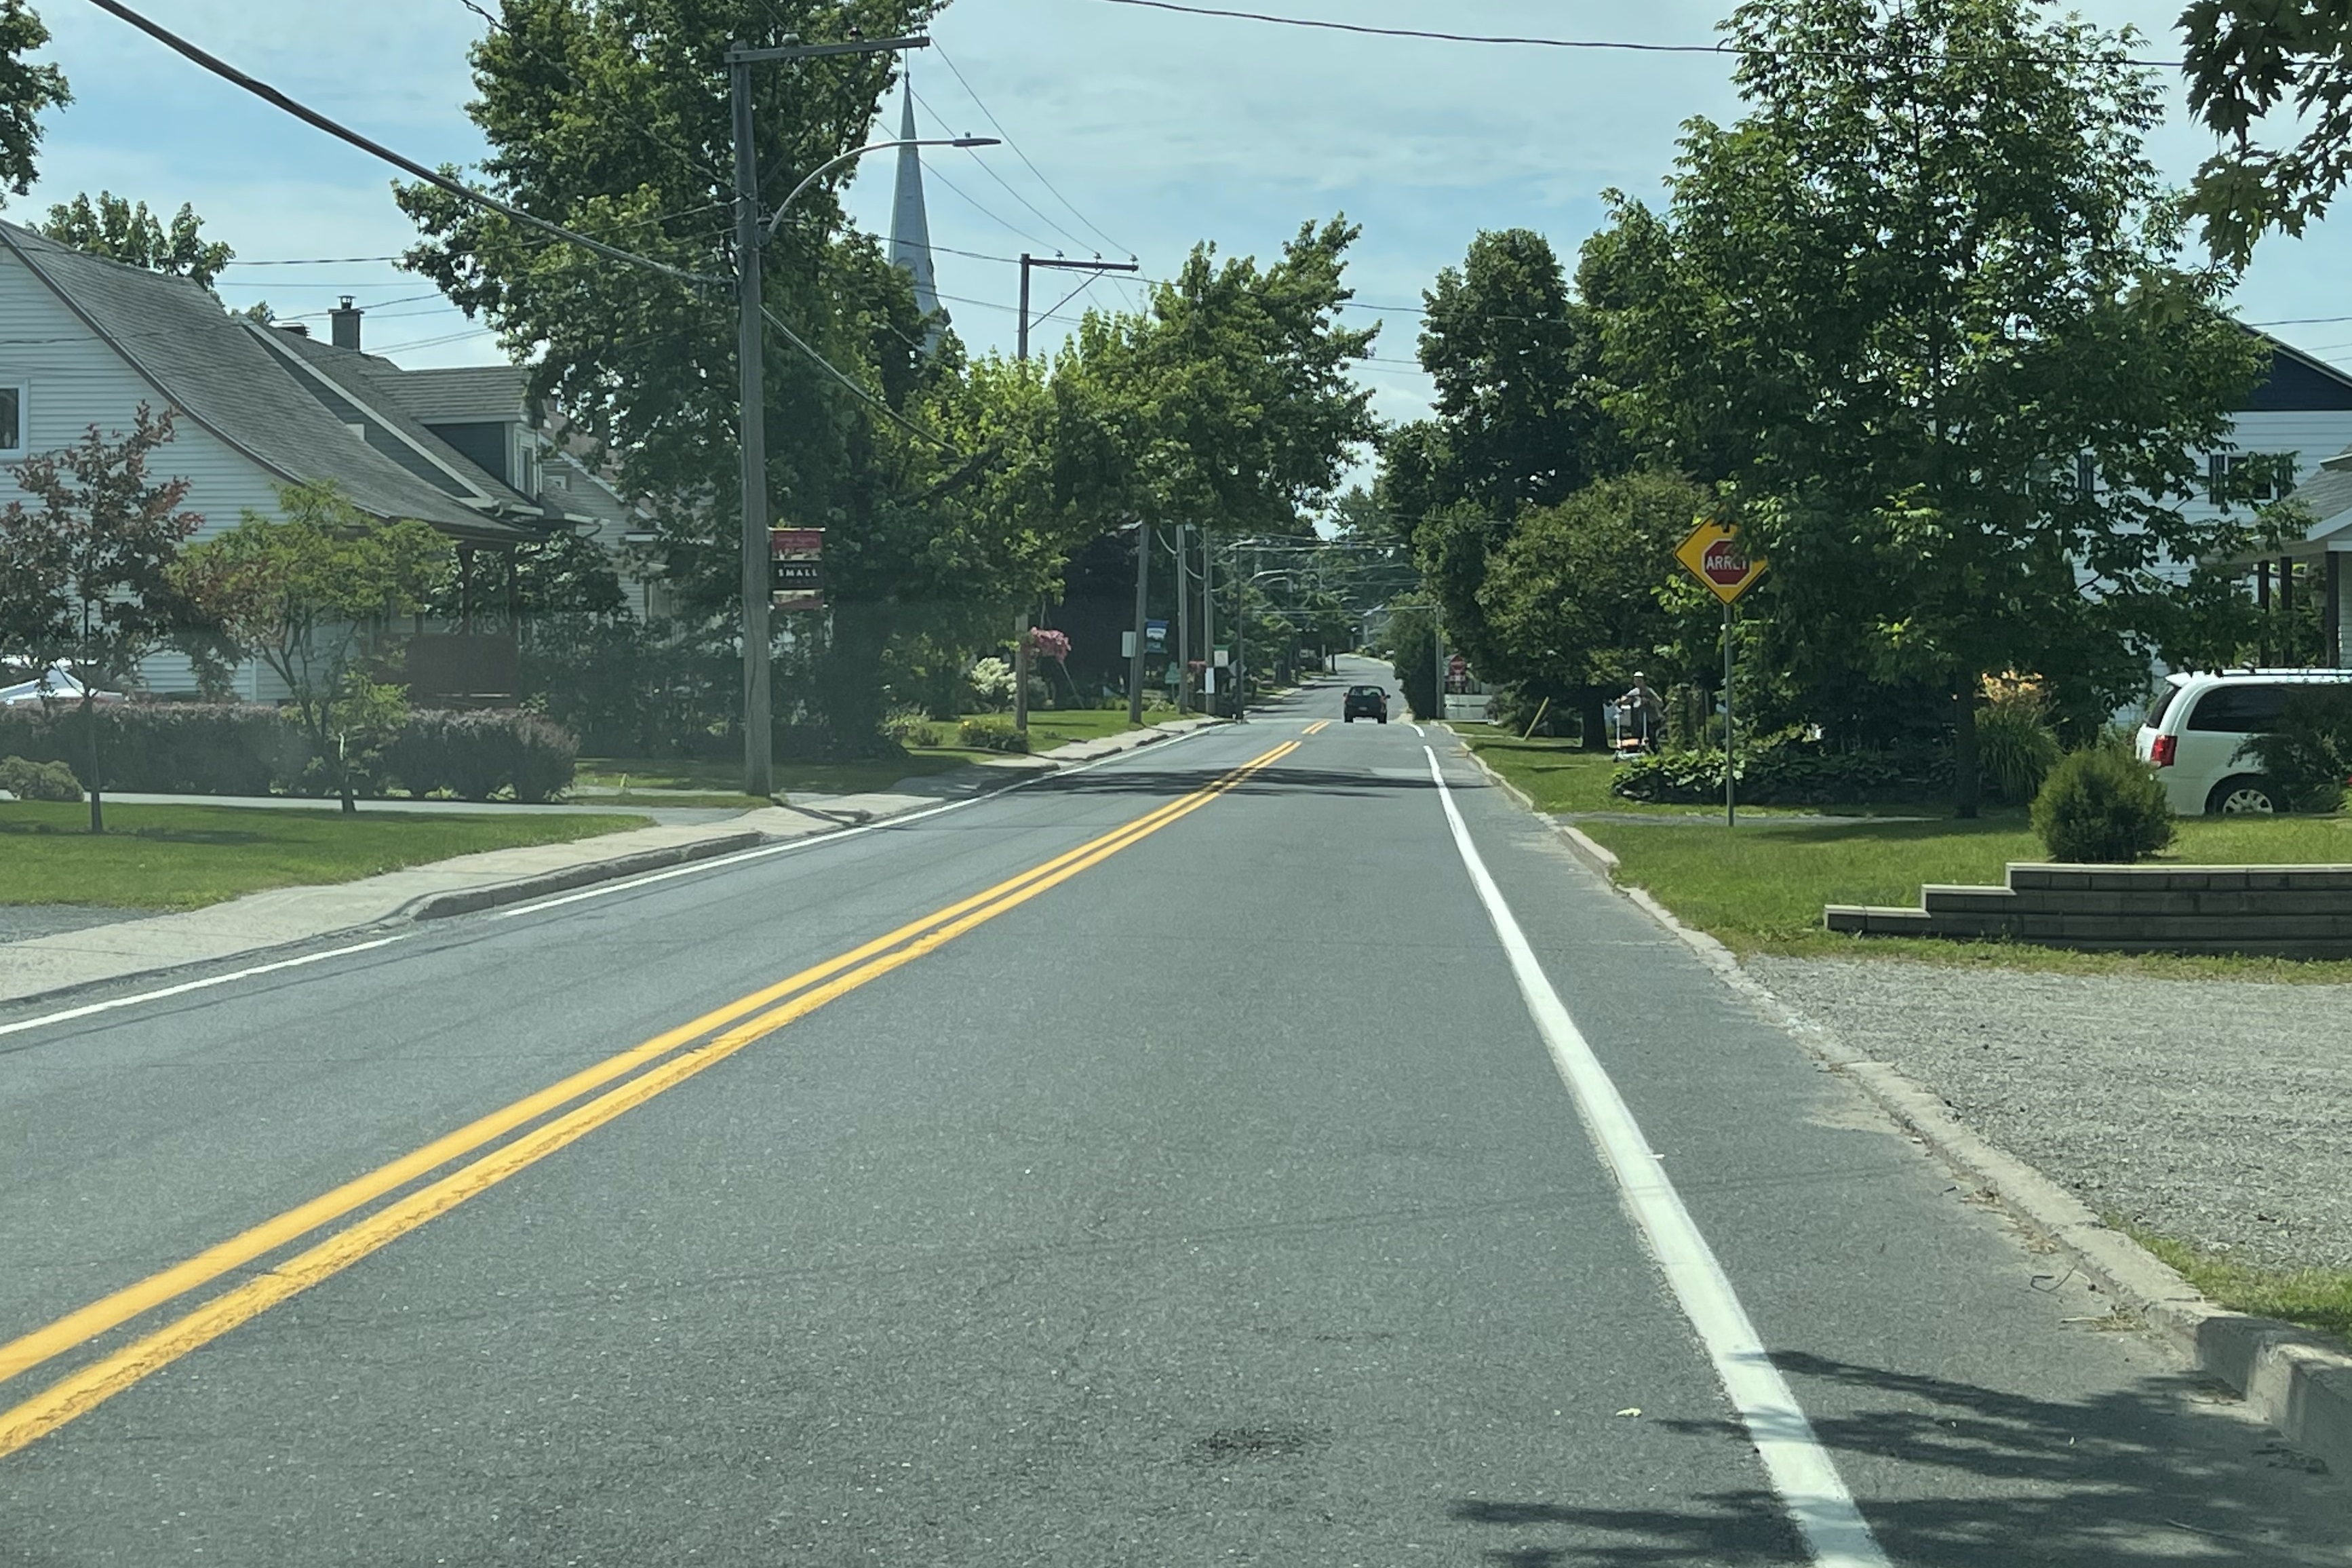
2217 1112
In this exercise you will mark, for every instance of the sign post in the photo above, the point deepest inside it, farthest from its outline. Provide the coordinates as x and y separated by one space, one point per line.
1713 554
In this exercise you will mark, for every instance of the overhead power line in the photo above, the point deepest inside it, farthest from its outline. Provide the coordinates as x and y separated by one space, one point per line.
311 261
375 149
881 407
974 93
940 121
1627 46
931 171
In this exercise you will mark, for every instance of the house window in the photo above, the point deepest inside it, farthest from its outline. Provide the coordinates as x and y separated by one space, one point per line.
2276 481
2086 473
12 419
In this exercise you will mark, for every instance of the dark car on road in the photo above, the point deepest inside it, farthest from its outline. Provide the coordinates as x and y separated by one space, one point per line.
1365 702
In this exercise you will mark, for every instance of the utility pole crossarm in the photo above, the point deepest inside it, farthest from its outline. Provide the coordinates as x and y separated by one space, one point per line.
1061 264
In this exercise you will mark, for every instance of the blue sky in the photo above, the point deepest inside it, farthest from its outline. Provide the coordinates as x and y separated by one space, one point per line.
1159 129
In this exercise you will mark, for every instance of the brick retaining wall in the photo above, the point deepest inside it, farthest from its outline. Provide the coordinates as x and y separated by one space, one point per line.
2299 911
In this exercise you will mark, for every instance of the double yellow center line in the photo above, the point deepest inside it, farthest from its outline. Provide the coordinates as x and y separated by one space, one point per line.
721 1034
1317 728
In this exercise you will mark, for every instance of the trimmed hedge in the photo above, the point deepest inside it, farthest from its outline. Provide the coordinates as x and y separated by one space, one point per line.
473 755
168 748
1785 769
253 748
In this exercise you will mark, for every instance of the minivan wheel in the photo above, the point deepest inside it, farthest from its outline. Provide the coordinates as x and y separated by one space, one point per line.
2242 796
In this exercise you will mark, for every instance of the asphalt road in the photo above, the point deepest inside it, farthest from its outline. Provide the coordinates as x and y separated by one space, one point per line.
1213 1197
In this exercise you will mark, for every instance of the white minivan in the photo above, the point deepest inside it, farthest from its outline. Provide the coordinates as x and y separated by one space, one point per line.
2200 723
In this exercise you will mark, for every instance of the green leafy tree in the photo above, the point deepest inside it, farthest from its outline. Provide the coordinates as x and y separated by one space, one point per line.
1227 405
88 568
612 116
2247 59
1519 421
1929 273
25 90
113 227
312 596
1515 359
1581 598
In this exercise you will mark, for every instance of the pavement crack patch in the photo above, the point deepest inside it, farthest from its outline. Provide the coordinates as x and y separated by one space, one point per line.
1277 1440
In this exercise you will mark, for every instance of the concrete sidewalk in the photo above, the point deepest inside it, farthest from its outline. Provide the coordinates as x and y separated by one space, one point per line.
259 923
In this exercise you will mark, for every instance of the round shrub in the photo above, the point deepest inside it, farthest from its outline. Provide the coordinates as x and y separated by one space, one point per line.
984 735
39 781
544 758
2102 804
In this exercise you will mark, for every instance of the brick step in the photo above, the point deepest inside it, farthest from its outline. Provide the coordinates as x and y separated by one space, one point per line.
2305 911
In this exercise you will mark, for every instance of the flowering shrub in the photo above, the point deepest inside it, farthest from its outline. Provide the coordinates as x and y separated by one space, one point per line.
1046 643
992 681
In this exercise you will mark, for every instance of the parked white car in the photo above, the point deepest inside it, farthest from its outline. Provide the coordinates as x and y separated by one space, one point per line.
56 684
2196 731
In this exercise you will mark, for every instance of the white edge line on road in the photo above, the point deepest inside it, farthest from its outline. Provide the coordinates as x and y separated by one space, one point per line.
1801 1468
619 886
1420 731
70 1013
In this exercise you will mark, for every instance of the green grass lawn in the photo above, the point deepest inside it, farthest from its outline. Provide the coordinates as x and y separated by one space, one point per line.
1761 888
2317 1298
1561 776
184 856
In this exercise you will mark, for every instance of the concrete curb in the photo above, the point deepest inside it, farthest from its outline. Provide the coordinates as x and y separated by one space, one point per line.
2292 1379
440 906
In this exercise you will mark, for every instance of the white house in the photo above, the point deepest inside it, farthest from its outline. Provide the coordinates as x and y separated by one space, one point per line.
2303 412
84 342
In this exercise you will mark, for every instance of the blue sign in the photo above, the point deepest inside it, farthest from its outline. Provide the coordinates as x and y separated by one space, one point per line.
1155 637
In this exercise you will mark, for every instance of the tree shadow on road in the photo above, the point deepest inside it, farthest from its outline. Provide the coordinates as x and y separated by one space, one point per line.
1989 1478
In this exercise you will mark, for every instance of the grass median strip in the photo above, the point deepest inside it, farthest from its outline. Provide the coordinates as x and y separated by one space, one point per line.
798 995
185 856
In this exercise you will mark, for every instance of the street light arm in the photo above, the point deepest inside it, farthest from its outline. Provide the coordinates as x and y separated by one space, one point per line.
830 165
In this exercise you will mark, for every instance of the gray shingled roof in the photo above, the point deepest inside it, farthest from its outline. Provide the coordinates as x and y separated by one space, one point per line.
462 394
2327 495
380 389
211 367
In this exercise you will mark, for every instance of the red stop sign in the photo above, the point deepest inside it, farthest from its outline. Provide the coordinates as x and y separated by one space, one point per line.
1723 563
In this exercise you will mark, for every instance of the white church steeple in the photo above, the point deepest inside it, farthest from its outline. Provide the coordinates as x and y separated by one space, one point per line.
911 225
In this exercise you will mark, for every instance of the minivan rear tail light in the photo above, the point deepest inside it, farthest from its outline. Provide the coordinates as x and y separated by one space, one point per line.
2160 750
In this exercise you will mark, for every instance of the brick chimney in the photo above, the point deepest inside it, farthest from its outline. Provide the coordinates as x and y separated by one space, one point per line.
346 322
